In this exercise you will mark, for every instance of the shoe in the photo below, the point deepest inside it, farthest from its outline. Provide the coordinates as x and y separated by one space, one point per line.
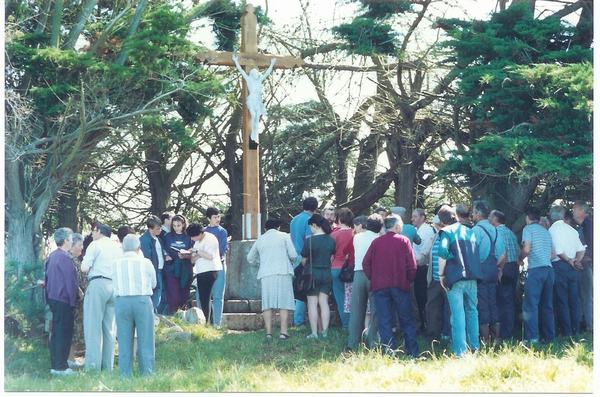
67 371
312 336
269 338
74 364
284 336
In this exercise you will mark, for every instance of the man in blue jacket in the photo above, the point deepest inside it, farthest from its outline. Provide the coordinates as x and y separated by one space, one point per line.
153 250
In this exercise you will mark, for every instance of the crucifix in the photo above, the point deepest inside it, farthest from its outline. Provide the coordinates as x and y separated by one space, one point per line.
250 59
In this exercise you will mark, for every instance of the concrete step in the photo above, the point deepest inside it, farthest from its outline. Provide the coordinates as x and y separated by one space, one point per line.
242 306
247 321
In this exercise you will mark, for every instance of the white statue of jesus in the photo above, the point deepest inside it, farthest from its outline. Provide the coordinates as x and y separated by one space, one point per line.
254 101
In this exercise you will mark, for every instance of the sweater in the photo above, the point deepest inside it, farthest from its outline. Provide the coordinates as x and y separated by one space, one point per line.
390 262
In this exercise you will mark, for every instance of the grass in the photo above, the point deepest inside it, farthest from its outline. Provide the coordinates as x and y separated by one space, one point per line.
228 361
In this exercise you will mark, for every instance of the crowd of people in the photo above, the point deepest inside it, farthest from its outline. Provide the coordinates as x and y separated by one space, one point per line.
127 283
455 278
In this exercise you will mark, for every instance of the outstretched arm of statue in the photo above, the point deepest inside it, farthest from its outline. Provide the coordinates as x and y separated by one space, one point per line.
235 59
269 70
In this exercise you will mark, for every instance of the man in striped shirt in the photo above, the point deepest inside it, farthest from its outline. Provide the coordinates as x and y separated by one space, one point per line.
134 278
509 276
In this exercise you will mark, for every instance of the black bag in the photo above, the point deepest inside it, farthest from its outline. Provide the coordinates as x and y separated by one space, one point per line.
347 272
303 277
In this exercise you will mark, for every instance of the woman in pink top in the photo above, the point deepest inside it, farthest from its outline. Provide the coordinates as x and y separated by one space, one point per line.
343 238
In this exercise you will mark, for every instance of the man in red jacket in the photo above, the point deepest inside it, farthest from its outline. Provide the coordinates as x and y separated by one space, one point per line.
390 266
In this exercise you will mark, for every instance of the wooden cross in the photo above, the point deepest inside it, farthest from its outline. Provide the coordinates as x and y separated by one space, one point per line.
249 58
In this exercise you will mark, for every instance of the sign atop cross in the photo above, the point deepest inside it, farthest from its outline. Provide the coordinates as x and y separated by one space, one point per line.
250 58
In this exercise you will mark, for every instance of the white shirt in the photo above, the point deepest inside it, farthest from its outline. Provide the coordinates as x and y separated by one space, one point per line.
159 253
362 242
133 275
565 240
208 244
100 255
274 251
427 234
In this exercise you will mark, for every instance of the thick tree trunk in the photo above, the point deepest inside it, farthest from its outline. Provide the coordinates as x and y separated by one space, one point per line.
68 205
366 165
584 35
21 244
361 203
234 171
340 185
158 179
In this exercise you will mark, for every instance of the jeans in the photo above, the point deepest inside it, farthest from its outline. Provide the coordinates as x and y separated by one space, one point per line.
157 292
62 333
586 295
537 304
566 295
462 299
506 291
218 293
135 314
391 301
338 293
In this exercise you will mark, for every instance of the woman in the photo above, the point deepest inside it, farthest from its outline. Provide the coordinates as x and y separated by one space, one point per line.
207 263
178 271
274 251
343 239
78 343
317 252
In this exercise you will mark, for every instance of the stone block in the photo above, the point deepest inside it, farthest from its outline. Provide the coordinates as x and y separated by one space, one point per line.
255 305
241 275
236 306
194 315
249 321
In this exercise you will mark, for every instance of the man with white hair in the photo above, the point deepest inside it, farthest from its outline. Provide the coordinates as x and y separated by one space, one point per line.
566 264
134 278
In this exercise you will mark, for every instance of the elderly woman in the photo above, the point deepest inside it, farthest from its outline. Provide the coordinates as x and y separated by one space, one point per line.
62 293
274 251
134 278
78 341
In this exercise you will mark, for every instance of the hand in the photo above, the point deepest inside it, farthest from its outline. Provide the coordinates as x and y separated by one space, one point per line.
168 258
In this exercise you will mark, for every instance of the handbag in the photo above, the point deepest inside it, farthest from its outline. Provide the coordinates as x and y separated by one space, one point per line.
303 277
347 272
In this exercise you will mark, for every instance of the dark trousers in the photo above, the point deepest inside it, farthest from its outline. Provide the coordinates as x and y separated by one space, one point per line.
204 283
537 304
63 316
390 301
566 297
177 297
420 286
487 307
437 311
505 293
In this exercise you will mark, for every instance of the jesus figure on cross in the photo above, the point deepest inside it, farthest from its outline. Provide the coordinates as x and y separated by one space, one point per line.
254 101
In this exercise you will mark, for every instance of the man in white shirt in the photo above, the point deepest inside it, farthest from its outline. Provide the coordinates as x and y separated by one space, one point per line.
566 264
421 251
98 303
134 278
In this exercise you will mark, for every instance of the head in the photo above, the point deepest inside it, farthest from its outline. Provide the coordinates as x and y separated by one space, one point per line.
254 73
123 231
437 223
360 224
310 204
214 216
329 214
195 231
447 215
418 217
557 213
101 230
497 218
63 237
545 222
165 219
318 223
463 213
400 211
178 224
383 213
345 217
481 210
131 243
532 215
393 223
374 223
581 210
153 224
272 223
77 245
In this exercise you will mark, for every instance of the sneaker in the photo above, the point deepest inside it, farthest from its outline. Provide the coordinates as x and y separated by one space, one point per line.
74 364
67 371
312 336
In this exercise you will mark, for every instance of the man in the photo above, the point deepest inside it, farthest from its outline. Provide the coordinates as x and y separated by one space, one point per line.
436 308
539 284
463 214
390 266
62 293
99 303
459 270
153 250
299 231
509 277
492 254
581 214
134 278
218 289
567 264
408 230
427 234
329 213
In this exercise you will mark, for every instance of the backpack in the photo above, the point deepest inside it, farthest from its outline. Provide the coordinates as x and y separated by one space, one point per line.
489 266
465 264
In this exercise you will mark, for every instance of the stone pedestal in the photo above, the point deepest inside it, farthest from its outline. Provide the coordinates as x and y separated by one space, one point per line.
241 275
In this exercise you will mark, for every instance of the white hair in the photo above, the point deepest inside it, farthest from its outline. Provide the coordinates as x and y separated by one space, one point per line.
131 242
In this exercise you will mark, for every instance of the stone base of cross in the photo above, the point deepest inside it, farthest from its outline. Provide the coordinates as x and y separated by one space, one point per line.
249 58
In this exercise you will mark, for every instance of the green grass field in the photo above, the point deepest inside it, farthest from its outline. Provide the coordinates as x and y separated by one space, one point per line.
218 360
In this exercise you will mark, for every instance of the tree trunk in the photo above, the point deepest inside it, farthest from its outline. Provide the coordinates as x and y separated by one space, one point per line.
21 242
234 171
158 179
56 23
366 164
68 205
584 35
340 185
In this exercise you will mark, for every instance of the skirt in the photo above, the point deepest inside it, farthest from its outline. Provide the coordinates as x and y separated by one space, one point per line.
277 292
